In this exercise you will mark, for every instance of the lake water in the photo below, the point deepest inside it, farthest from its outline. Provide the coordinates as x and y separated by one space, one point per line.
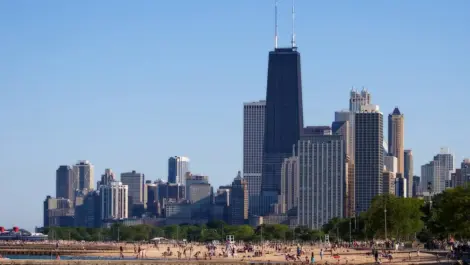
67 257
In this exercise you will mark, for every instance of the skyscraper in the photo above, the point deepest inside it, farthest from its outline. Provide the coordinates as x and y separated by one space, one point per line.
322 179
84 174
437 172
283 120
369 157
253 137
356 101
178 166
114 204
408 174
238 201
135 182
396 138
64 183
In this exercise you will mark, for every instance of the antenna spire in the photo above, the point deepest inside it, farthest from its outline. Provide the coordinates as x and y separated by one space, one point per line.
275 24
293 24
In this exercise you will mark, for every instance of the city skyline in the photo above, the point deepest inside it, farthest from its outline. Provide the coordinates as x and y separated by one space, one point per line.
35 145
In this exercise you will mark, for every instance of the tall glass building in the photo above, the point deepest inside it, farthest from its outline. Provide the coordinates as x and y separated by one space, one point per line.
283 120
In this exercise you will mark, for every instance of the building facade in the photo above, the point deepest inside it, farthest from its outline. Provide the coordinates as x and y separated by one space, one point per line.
178 166
369 160
135 182
396 138
114 201
283 120
253 138
65 183
239 201
408 174
322 184
289 184
84 175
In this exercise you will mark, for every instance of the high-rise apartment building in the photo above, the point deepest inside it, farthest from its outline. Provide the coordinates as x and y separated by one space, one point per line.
322 180
289 184
391 163
253 138
178 166
283 120
408 174
356 101
114 204
135 182
438 172
64 183
416 186
84 175
369 157
396 138
464 172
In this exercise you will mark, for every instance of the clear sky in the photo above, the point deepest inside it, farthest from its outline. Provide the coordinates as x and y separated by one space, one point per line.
126 84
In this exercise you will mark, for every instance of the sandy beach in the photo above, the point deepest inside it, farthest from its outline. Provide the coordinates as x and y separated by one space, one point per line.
269 254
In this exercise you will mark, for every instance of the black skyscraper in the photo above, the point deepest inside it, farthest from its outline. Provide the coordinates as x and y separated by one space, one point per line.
283 120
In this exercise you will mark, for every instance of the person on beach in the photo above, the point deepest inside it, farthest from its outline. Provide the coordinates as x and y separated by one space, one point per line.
321 254
312 259
121 252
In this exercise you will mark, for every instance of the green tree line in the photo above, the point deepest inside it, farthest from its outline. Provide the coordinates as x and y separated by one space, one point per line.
447 214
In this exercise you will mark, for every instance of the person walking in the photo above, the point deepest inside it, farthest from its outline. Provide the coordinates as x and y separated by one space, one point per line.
321 254
312 259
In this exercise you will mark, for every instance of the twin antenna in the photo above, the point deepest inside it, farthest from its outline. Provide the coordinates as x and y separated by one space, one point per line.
276 35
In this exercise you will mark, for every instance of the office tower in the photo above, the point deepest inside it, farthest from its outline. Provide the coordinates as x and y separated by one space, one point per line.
416 186
464 173
84 174
283 121
152 198
289 184
177 168
357 100
388 182
107 177
135 183
200 186
322 180
369 159
391 163
114 204
64 183
253 137
408 174
401 189
396 138
58 212
438 172
239 201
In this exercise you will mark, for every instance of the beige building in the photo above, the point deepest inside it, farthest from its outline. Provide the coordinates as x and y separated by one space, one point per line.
83 175
396 138
388 182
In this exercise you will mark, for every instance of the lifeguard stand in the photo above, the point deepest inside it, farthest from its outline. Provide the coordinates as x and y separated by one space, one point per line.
230 239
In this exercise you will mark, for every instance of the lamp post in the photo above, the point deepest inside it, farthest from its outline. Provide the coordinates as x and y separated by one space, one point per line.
350 237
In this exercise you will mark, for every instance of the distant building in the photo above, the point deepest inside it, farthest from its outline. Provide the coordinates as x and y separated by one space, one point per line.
289 184
58 212
135 182
84 175
178 166
391 163
438 172
356 101
253 138
408 174
388 182
369 160
322 179
107 177
65 183
114 201
396 138
401 189
239 201
416 186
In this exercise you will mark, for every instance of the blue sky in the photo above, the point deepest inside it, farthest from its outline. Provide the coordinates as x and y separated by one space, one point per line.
126 84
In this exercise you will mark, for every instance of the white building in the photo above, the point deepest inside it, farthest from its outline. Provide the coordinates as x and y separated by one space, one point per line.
253 139
114 204
437 172
135 182
83 175
391 163
322 183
